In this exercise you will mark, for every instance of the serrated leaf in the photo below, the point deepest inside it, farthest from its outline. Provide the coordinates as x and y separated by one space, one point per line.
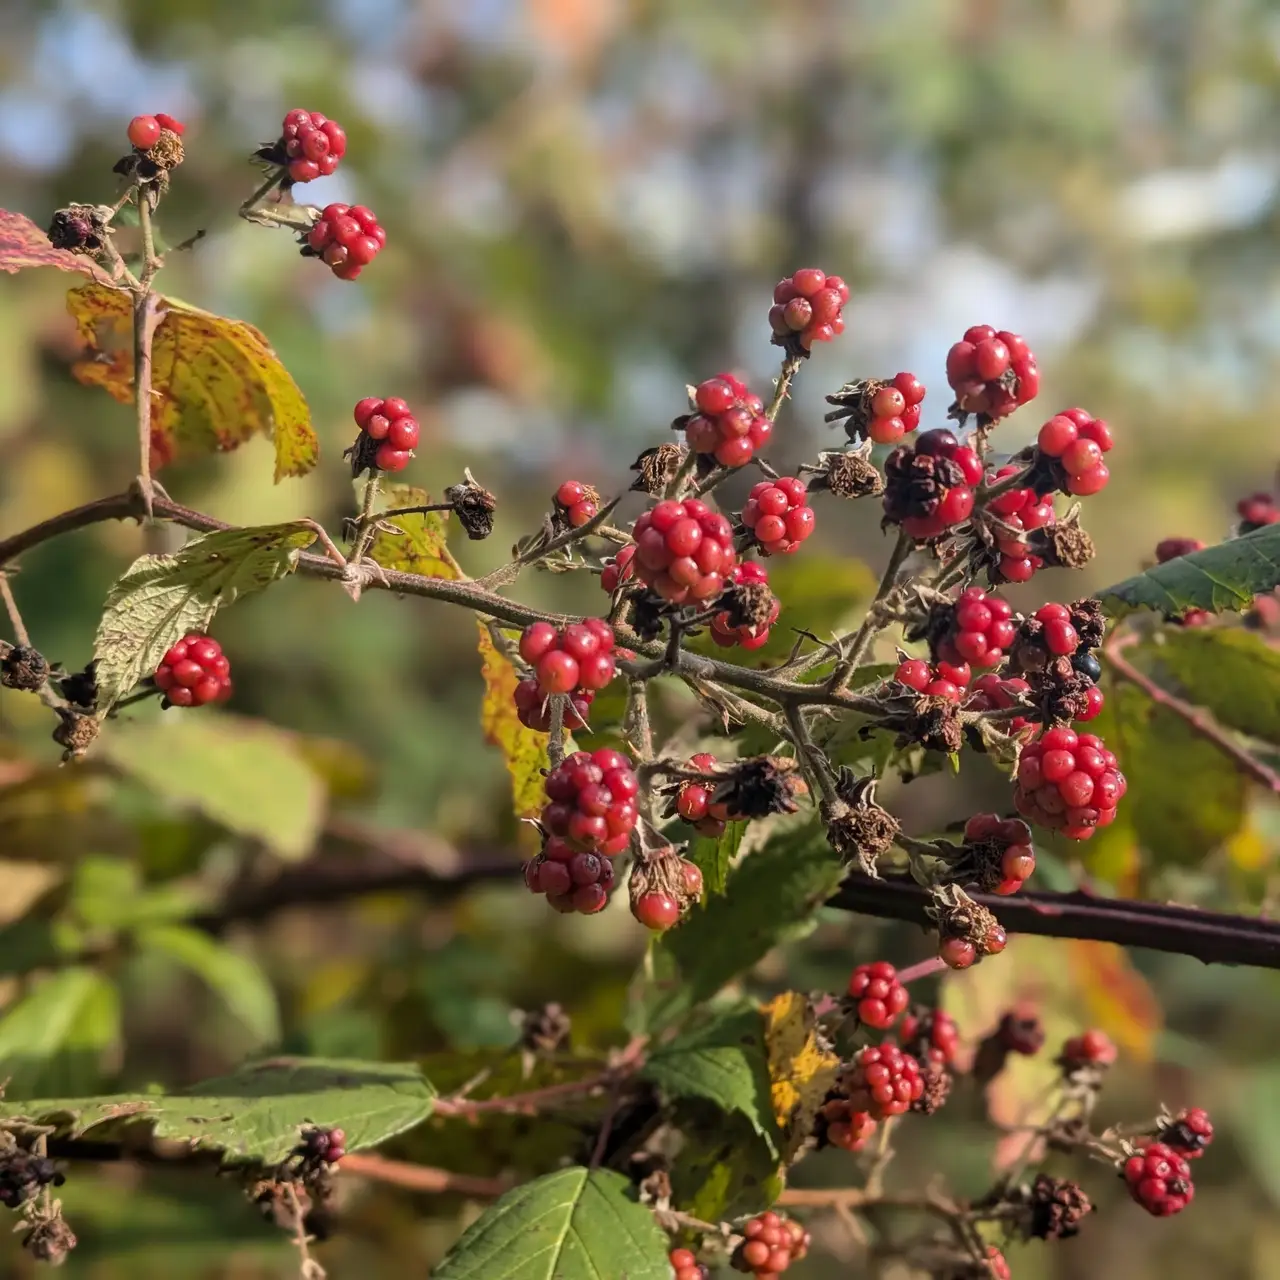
524 750
772 896
421 545
243 774
256 1113
576 1224
722 1061
23 244
1234 673
162 597
235 979
55 1037
801 1071
724 1169
1221 578
216 382
712 855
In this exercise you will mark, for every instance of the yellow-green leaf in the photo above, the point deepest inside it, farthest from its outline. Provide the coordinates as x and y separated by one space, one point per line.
420 546
801 1071
525 750
216 382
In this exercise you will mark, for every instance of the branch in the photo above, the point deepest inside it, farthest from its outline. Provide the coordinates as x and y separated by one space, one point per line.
420 1177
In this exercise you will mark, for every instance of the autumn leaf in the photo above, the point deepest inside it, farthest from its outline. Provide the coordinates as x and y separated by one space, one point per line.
525 750
216 382
1115 996
23 244
801 1071
419 546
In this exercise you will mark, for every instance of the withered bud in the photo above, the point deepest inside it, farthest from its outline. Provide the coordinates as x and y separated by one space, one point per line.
23 668
648 613
858 829
849 475
166 151
935 725
1058 1207
81 687
79 228
1062 546
50 1239
956 915
75 733
915 483
749 604
937 1089
1089 621
474 506
762 785
1060 692
545 1031
853 406
664 871
362 453
656 468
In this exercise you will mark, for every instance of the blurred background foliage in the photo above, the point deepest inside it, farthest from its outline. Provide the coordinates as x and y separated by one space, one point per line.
587 204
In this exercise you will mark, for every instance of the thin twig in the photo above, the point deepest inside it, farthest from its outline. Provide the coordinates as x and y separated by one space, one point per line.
872 622
424 1178
790 367
15 616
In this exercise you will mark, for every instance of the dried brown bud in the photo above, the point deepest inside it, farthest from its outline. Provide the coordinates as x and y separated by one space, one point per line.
849 475
1060 692
545 1031
956 915
749 604
23 668
858 829
81 687
50 1239
1058 1207
75 732
657 467
474 506
79 228
915 483
166 152
937 1089
1089 621
762 785
935 725
1062 546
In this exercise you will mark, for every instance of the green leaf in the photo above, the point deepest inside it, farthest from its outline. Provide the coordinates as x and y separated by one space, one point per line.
1232 672
55 1038
256 1113
27 944
162 597
237 981
724 1169
772 896
1221 578
420 546
1255 1124
713 854
576 1224
242 774
723 1061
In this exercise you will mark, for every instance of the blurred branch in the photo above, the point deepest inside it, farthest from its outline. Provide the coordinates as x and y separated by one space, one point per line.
421 1177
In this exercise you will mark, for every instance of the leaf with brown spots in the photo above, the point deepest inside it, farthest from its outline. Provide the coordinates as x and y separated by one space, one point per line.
525 750
23 245
216 382
419 545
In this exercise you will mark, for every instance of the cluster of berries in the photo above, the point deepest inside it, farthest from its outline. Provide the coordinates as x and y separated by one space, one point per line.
389 433
322 1146
572 879
882 1081
943 681
930 487
144 131
979 628
730 424
23 1174
806 309
685 1265
930 1036
992 372
310 145
1089 1050
1021 510
618 569
1257 510
1076 442
1062 639
994 693
659 909
894 410
880 997
778 515
575 659
1159 1179
577 502
1068 782
591 802
346 237
752 631
194 672
683 551
771 1243
1005 847
695 801
958 952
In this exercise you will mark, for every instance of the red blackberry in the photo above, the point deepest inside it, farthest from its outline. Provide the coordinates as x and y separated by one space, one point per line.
694 803
978 629
144 132
1021 1033
1093 1048
895 409
322 1146
844 1127
310 145
1020 511
930 1035
879 995
883 1081
573 879
761 610
1171 548
685 1265
1159 1179
917 674
578 503
347 238
1077 441
619 569
194 672
1002 849
1068 782
730 424
1257 510
778 515
771 1243
591 801
930 487
683 551
992 372
807 308
1188 1133
533 707
389 434
991 693
997 1264
575 658
168 122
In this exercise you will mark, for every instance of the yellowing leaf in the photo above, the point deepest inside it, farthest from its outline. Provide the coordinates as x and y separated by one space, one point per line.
215 382
420 546
1116 997
801 1071
525 750
23 244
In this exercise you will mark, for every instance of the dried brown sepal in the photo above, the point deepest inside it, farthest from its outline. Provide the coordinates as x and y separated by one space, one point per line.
848 475
661 870
81 687
75 733
1057 1208
80 228
362 452
853 406
474 506
937 1088
760 786
1064 545
1089 621
47 1236
956 915
1029 655
656 468
166 151
1060 692
23 668
748 604
545 1031
858 829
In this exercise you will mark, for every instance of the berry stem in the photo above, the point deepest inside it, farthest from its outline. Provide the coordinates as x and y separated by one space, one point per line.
506 574
250 205
675 489
985 494
812 761
782 388
46 691
424 1178
873 622
924 969
366 525
555 739
1196 718
145 322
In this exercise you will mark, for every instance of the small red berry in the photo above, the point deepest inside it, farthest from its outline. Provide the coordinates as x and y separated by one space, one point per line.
194 672
144 132
657 911
881 998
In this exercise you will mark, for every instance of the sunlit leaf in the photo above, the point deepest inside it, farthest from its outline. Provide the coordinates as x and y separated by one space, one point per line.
1116 997
216 382
420 545
162 597
23 244
800 1069
525 750
712 855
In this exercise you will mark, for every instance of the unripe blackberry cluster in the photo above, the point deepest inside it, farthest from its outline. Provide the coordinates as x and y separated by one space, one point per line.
1159 1179
322 1146
1257 510
1004 850
684 550
311 145
578 503
730 424
1061 639
194 672
389 433
917 674
144 131
573 879
1188 1133
695 801
883 1081
1068 782
1022 510
23 1174
663 887
576 658
1090 1049
1020 1033
992 372
977 629
879 996
685 1265
778 515
591 802
842 1125
929 487
807 308
1172 548
930 1036
533 707
771 1243
748 623
1076 442
618 569
993 693
880 411
346 237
